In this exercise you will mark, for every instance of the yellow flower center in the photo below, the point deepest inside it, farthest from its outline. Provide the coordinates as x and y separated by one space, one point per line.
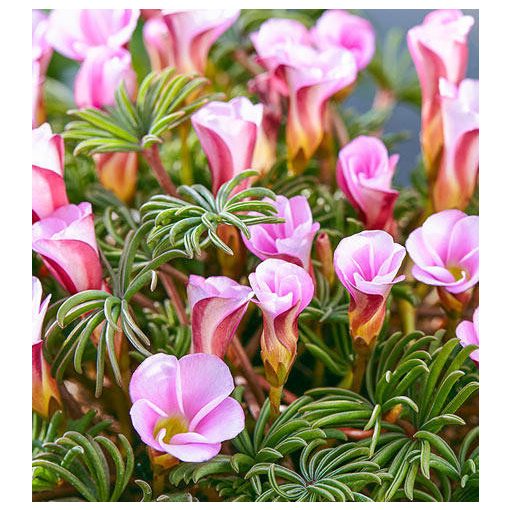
457 272
172 425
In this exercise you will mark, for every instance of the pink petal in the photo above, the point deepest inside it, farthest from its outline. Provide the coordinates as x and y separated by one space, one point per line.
145 415
224 422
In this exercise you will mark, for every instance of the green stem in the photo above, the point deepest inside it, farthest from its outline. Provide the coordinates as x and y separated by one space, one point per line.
275 396
407 316
358 370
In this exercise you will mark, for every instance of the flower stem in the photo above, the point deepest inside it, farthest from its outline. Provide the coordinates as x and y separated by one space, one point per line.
151 155
358 370
175 297
275 396
407 316
247 370
186 170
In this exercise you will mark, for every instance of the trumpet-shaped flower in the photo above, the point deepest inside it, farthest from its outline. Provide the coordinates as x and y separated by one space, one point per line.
458 172
41 55
182 406
337 28
158 43
311 77
367 265
67 244
445 251
364 173
44 386
291 241
283 291
74 32
48 187
100 74
467 332
118 172
217 306
228 134
193 32
439 49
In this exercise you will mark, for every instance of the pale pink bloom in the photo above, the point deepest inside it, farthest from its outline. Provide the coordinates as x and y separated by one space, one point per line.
367 265
283 291
44 386
445 251
193 32
291 241
41 55
439 48
217 306
364 173
158 43
274 34
456 180
311 77
66 241
48 187
337 28
228 134
467 333
74 32
182 406
100 74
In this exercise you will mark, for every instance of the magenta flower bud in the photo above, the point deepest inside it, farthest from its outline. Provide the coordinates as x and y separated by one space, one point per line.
182 406
337 28
41 55
458 172
67 244
228 134
467 333
291 241
367 265
311 77
74 32
100 74
193 32
364 172
445 251
44 386
48 186
283 291
439 49
217 306
158 43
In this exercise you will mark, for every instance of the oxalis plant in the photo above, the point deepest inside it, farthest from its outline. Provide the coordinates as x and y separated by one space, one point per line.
230 300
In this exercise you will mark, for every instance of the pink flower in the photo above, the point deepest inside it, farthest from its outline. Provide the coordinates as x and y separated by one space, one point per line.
118 172
283 291
74 32
41 55
44 386
367 265
228 134
193 32
311 77
467 332
67 244
291 241
217 306
445 251
337 28
439 49
275 34
48 187
158 43
100 74
182 406
456 180
364 174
